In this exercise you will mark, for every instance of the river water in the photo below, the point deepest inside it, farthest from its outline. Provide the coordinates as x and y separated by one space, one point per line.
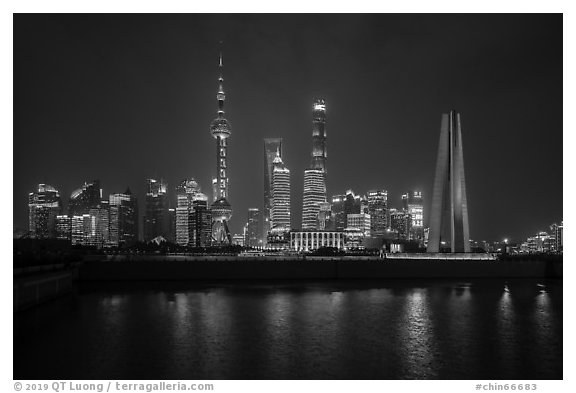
400 329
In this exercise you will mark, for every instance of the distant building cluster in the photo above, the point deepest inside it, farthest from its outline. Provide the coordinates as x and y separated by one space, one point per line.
544 241
91 220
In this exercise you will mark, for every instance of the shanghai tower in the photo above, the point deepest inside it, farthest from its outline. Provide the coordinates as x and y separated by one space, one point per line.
449 211
220 129
319 135
315 176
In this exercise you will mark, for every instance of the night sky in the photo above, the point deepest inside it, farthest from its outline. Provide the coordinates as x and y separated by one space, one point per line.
121 98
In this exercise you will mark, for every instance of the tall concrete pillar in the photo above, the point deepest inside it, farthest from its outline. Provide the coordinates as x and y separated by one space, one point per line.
449 210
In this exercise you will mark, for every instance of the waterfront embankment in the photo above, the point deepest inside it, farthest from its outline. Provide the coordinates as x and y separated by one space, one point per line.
151 267
37 284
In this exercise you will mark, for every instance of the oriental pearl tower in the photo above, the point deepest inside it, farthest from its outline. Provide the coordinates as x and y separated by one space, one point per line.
221 209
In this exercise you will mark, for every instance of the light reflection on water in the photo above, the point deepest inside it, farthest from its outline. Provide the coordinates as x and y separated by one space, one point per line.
506 322
419 341
339 330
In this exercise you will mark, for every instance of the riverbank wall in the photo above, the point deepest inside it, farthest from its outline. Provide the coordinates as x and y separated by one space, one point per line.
38 284
159 268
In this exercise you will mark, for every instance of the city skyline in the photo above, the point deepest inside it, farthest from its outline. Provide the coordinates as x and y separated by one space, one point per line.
352 165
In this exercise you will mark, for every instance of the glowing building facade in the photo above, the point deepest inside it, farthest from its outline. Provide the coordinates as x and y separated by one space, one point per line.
89 216
272 147
100 217
85 198
413 204
202 221
313 240
64 227
338 213
449 210
325 219
185 194
314 195
359 221
44 205
123 219
319 135
221 210
156 215
378 210
280 213
400 223
252 236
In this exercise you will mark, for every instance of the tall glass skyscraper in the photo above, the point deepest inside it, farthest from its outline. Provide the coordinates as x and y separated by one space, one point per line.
253 237
400 223
185 194
280 213
272 147
202 218
352 203
377 207
100 218
338 213
85 198
413 205
64 227
44 205
156 216
123 219
315 177
319 135
325 219
314 195
89 216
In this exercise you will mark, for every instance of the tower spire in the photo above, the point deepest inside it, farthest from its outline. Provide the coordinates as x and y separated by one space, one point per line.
221 96
220 57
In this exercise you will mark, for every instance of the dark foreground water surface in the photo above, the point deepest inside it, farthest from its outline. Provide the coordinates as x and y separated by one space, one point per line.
433 329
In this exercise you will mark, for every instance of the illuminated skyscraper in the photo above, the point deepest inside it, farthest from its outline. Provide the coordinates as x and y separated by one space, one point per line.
156 217
64 227
319 135
91 227
400 223
280 213
185 194
314 195
253 236
325 218
377 207
359 221
171 225
220 129
352 203
338 213
100 217
315 177
449 211
202 221
44 205
85 198
77 229
272 146
413 205
123 219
